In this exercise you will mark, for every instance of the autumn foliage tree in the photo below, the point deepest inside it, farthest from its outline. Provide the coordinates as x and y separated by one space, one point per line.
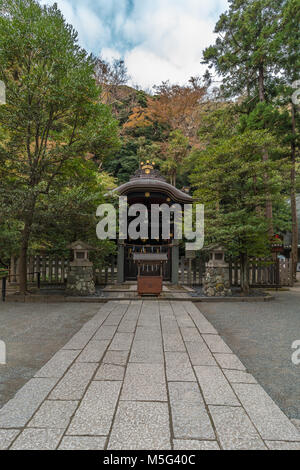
175 106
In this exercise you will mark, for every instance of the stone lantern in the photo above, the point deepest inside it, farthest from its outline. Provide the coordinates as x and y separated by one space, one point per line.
217 258
80 276
216 280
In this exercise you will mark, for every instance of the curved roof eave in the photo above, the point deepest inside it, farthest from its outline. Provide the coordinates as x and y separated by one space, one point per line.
153 185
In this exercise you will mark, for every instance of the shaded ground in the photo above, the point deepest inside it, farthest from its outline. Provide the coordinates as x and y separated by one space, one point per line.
33 333
261 334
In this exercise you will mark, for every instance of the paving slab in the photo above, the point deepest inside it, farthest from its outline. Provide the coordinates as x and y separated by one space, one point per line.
116 357
270 421
127 326
229 361
93 325
148 320
121 342
105 332
199 319
7 436
180 444
234 429
147 352
84 335
216 344
38 439
280 445
141 426
110 372
58 365
199 353
190 334
73 385
189 416
173 342
53 415
179 368
116 315
95 413
19 409
169 325
79 341
82 443
181 315
145 382
149 334
94 351
215 387
114 319
239 377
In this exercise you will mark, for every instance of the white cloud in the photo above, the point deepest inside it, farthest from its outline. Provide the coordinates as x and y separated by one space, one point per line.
108 54
173 39
160 39
92 31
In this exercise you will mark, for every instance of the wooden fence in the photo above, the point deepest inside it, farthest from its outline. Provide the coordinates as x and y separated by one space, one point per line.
261 273
191 271
108 273
54 270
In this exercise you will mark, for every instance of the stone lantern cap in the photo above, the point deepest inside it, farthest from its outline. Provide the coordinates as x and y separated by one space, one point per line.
81 253
217 257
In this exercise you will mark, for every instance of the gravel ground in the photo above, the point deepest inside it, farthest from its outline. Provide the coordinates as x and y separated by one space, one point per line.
33 333
261 334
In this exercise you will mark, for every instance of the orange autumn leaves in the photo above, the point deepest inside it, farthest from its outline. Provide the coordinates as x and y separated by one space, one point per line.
175 106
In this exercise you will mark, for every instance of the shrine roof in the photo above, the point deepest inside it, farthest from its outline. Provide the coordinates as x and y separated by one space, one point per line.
149 179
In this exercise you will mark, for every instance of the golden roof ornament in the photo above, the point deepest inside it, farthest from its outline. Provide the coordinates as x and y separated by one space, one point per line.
147 167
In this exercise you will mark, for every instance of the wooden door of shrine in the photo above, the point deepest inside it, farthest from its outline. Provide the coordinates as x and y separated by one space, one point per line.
130 267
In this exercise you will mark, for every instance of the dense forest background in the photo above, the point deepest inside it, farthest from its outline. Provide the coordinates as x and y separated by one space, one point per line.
73 128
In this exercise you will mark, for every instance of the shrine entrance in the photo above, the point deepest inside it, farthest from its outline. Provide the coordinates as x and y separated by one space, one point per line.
130 267
148 187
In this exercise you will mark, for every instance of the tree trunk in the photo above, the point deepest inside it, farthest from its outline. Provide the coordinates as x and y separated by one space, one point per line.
23 259
261 84
265 156
244 273
294 254
24 247
269 207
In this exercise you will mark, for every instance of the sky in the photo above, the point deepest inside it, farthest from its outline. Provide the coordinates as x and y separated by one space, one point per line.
158 39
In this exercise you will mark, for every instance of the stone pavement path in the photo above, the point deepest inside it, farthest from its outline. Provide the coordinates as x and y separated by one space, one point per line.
145 375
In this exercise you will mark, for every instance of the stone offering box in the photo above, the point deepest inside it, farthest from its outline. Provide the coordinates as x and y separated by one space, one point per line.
150 276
